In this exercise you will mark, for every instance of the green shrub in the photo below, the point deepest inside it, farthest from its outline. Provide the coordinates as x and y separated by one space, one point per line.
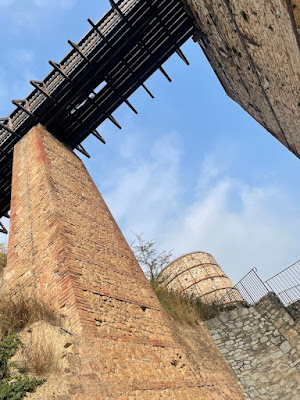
13 387
8 347
17 388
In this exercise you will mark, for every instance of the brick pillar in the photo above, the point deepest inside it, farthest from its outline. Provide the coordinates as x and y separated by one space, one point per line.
66 247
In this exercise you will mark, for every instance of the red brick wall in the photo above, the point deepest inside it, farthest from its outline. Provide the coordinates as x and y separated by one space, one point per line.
65 246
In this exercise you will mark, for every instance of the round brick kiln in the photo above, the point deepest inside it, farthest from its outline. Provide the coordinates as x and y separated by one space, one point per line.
198 274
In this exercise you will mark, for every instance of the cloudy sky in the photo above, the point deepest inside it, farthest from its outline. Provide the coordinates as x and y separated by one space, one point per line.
192 171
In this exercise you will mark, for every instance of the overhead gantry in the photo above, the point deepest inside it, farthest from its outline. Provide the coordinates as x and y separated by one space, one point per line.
100 73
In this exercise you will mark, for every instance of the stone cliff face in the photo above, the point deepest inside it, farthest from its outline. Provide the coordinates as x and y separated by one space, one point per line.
253 46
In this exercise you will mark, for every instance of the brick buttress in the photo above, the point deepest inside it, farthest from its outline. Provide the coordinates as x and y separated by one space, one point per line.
66 248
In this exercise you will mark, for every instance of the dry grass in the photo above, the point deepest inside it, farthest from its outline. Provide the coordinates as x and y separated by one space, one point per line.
186 309
39 357
178 307
3 255
18 312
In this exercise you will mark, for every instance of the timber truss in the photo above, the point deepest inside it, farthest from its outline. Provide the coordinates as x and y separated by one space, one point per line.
113 60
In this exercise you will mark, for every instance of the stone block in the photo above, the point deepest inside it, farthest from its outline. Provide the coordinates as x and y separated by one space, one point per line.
285 347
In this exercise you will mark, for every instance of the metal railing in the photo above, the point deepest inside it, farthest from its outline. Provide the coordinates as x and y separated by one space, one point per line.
250 287
285 284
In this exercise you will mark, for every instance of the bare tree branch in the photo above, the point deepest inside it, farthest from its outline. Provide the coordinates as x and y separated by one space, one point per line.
150 260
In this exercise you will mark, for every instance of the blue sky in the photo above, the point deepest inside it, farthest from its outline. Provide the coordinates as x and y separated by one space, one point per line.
192 171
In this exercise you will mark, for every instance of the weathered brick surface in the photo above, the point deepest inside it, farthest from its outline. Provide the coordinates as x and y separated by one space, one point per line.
198 274
253 47
207 359
65 246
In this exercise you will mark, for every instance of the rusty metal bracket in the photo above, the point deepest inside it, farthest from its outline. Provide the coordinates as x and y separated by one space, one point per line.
114 121
116 8
82 150
5 127
21 104
40 86
98 136
58 68
3 229
77 49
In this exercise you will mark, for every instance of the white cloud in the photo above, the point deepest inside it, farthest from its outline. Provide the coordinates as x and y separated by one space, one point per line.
261 233
127 191
243 226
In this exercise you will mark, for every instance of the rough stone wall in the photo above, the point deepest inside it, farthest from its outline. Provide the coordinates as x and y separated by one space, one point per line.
261 344
253 46
198 274
65 246
295 4
207 359
294 310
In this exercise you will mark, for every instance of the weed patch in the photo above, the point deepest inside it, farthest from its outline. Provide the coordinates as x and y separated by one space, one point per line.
3 255
39 357
19 312
15 314
187 309
14 382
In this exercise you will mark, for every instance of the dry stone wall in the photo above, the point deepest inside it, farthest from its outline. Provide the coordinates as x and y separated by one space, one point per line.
253 46
294 310
261 344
